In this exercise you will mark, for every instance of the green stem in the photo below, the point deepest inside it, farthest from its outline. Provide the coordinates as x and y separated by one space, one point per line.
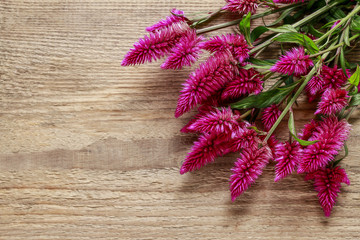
245 114
295 25
345 19
260 15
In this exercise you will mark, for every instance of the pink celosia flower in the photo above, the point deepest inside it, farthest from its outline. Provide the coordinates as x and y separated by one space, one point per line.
247 169
269 116
210 77
204 151
243 138
332 78
327 182
185 52
156 45
332 101
217 121
331 135
288 1
233 43
293 62
308 130
203 110
335 23
175 17
287 156
246 82
241 6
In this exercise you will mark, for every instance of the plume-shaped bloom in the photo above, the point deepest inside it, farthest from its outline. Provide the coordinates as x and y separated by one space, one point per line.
156 45
247 169
332 78
241 6
287 156
210 77
288 1
327 182
269 116
246 82
243 138
331 135
308 130
175 17
185 52
204 151
332 101
217 121
293 62
233 43
203 110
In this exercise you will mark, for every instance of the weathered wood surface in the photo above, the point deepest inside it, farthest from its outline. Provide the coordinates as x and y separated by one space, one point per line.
90 150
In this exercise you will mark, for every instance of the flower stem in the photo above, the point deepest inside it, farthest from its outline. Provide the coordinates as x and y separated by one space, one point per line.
345 19
237 21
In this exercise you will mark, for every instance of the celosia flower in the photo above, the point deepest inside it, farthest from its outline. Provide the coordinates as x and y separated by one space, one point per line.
287 1
203 110
308 130
293 62
332 101
247 169
246 82
233 43
241 6
335 23
177 16
332 78
210 77
217 121
243 138
204 151
185 52
327 182
330 134
269 116
156 45
287 156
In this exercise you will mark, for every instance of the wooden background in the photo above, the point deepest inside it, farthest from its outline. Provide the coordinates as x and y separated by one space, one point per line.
91 150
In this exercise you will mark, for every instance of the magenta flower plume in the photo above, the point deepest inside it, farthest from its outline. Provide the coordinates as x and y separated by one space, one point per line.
246 82
293 62
331 135
204 151
175 17
233 43
288 1
269 116
332 101
335 23
287 156
243 138
217 121
332 78
247 169
203 110
185 52
210 77
241 6
308 130
155 46
327 182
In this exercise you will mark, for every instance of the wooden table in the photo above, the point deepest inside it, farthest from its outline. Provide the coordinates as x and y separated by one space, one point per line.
91 150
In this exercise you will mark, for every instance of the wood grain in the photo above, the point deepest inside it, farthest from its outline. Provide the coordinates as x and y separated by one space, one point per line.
91 150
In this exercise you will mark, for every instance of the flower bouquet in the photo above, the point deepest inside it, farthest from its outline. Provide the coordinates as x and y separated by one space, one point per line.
241 97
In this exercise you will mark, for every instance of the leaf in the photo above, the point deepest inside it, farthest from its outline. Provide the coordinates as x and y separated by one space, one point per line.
355 78
265 99
355 24
244 27
343 61
315 32
262 62
257 32
346 36
283 29
282 16
298 38
355 100
292 130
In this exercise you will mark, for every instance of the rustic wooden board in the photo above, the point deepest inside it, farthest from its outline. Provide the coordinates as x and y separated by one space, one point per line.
90 150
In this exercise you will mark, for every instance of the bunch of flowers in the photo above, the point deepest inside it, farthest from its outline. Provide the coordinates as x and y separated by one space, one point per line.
241 97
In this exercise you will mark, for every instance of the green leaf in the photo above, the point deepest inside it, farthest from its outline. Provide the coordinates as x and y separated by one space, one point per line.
292 130
343 61
283 29
244 27
315 32
355 24
355 100
298 38
355 78
259 62
346 36
282 16
265 99
257 32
